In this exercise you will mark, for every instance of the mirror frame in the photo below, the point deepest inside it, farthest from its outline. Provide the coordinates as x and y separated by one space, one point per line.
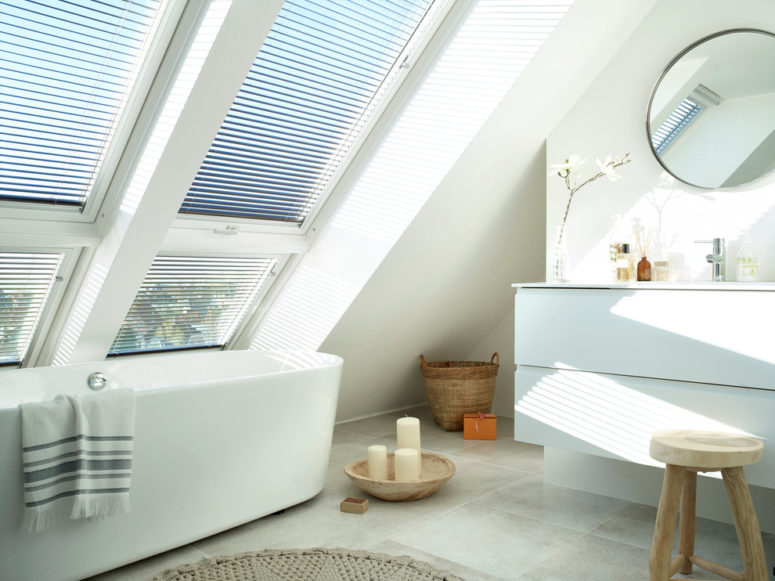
659 80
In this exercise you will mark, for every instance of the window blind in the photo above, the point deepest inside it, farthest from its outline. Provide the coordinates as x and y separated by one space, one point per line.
25 283
66 68
676 122
307 97
190 302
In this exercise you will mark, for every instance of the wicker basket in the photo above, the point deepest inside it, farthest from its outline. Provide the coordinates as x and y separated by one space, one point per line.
455 388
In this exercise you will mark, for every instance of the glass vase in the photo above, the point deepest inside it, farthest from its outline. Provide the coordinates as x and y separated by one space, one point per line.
560 259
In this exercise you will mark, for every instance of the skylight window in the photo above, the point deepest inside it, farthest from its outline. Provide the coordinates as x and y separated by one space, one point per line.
316 82
676 122
26 280
187 302
67 68
495 43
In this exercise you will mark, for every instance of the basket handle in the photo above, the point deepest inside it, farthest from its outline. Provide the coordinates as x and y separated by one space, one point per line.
422 361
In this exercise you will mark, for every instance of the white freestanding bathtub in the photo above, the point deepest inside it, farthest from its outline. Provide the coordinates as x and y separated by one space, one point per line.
221 438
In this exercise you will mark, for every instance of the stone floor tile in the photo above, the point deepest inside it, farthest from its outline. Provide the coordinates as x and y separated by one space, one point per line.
481 538
632 524
520 455
344 436
533 498
593 558
468 574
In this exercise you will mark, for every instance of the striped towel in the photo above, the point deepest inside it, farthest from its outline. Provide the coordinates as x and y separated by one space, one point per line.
77 457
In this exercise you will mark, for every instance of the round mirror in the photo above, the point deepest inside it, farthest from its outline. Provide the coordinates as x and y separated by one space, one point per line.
711 117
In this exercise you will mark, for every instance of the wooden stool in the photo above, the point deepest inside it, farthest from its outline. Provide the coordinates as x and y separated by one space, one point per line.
686 452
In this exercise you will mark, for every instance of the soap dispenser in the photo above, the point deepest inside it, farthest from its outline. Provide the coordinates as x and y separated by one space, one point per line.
747 263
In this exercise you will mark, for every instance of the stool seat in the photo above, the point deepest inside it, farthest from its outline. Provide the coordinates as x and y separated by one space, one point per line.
713 450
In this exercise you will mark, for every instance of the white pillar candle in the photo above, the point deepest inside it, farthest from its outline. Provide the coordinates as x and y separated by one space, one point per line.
378 462
407 468
408 432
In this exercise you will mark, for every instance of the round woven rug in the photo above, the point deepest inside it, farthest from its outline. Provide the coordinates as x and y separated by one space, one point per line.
307 565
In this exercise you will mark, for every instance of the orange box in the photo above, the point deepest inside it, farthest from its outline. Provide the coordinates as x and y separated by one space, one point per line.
479 426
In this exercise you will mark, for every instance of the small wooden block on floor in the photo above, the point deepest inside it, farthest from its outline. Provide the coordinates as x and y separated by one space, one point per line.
354 505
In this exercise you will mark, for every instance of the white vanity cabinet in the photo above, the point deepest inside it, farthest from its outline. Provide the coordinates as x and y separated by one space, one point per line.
600 368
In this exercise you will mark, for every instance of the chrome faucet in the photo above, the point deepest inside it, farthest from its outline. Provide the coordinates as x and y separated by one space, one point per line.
717 258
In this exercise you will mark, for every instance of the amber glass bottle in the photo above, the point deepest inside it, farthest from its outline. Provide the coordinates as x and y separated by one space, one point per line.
644 269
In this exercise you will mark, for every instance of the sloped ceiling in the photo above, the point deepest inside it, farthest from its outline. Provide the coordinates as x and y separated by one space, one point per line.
444 289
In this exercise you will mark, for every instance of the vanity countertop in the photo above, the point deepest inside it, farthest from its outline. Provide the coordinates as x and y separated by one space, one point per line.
689 285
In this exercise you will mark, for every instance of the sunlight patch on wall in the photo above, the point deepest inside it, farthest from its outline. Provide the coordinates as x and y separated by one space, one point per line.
173 106
679 216
305 313
492 47
676 217
80 313
490 51
608 415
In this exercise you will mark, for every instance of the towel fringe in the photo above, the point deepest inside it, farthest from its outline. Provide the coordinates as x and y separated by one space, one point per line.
97 507
35 520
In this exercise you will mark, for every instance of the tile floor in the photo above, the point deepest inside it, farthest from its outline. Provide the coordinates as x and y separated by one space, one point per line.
494 520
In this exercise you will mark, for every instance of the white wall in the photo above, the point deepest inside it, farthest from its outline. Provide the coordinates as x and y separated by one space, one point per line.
444 289
610 119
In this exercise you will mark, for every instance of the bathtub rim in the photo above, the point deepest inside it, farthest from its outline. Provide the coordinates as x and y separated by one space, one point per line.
10 401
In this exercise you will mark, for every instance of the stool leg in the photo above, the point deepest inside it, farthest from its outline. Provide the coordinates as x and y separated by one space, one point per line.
664 530
747 525
688 503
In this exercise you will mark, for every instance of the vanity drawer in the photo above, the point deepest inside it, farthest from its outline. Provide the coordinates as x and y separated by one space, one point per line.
614 416
707 336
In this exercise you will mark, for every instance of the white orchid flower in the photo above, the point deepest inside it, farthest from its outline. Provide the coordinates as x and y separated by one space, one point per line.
608 167
572 164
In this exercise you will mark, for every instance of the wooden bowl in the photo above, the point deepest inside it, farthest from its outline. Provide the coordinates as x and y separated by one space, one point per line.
436 470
